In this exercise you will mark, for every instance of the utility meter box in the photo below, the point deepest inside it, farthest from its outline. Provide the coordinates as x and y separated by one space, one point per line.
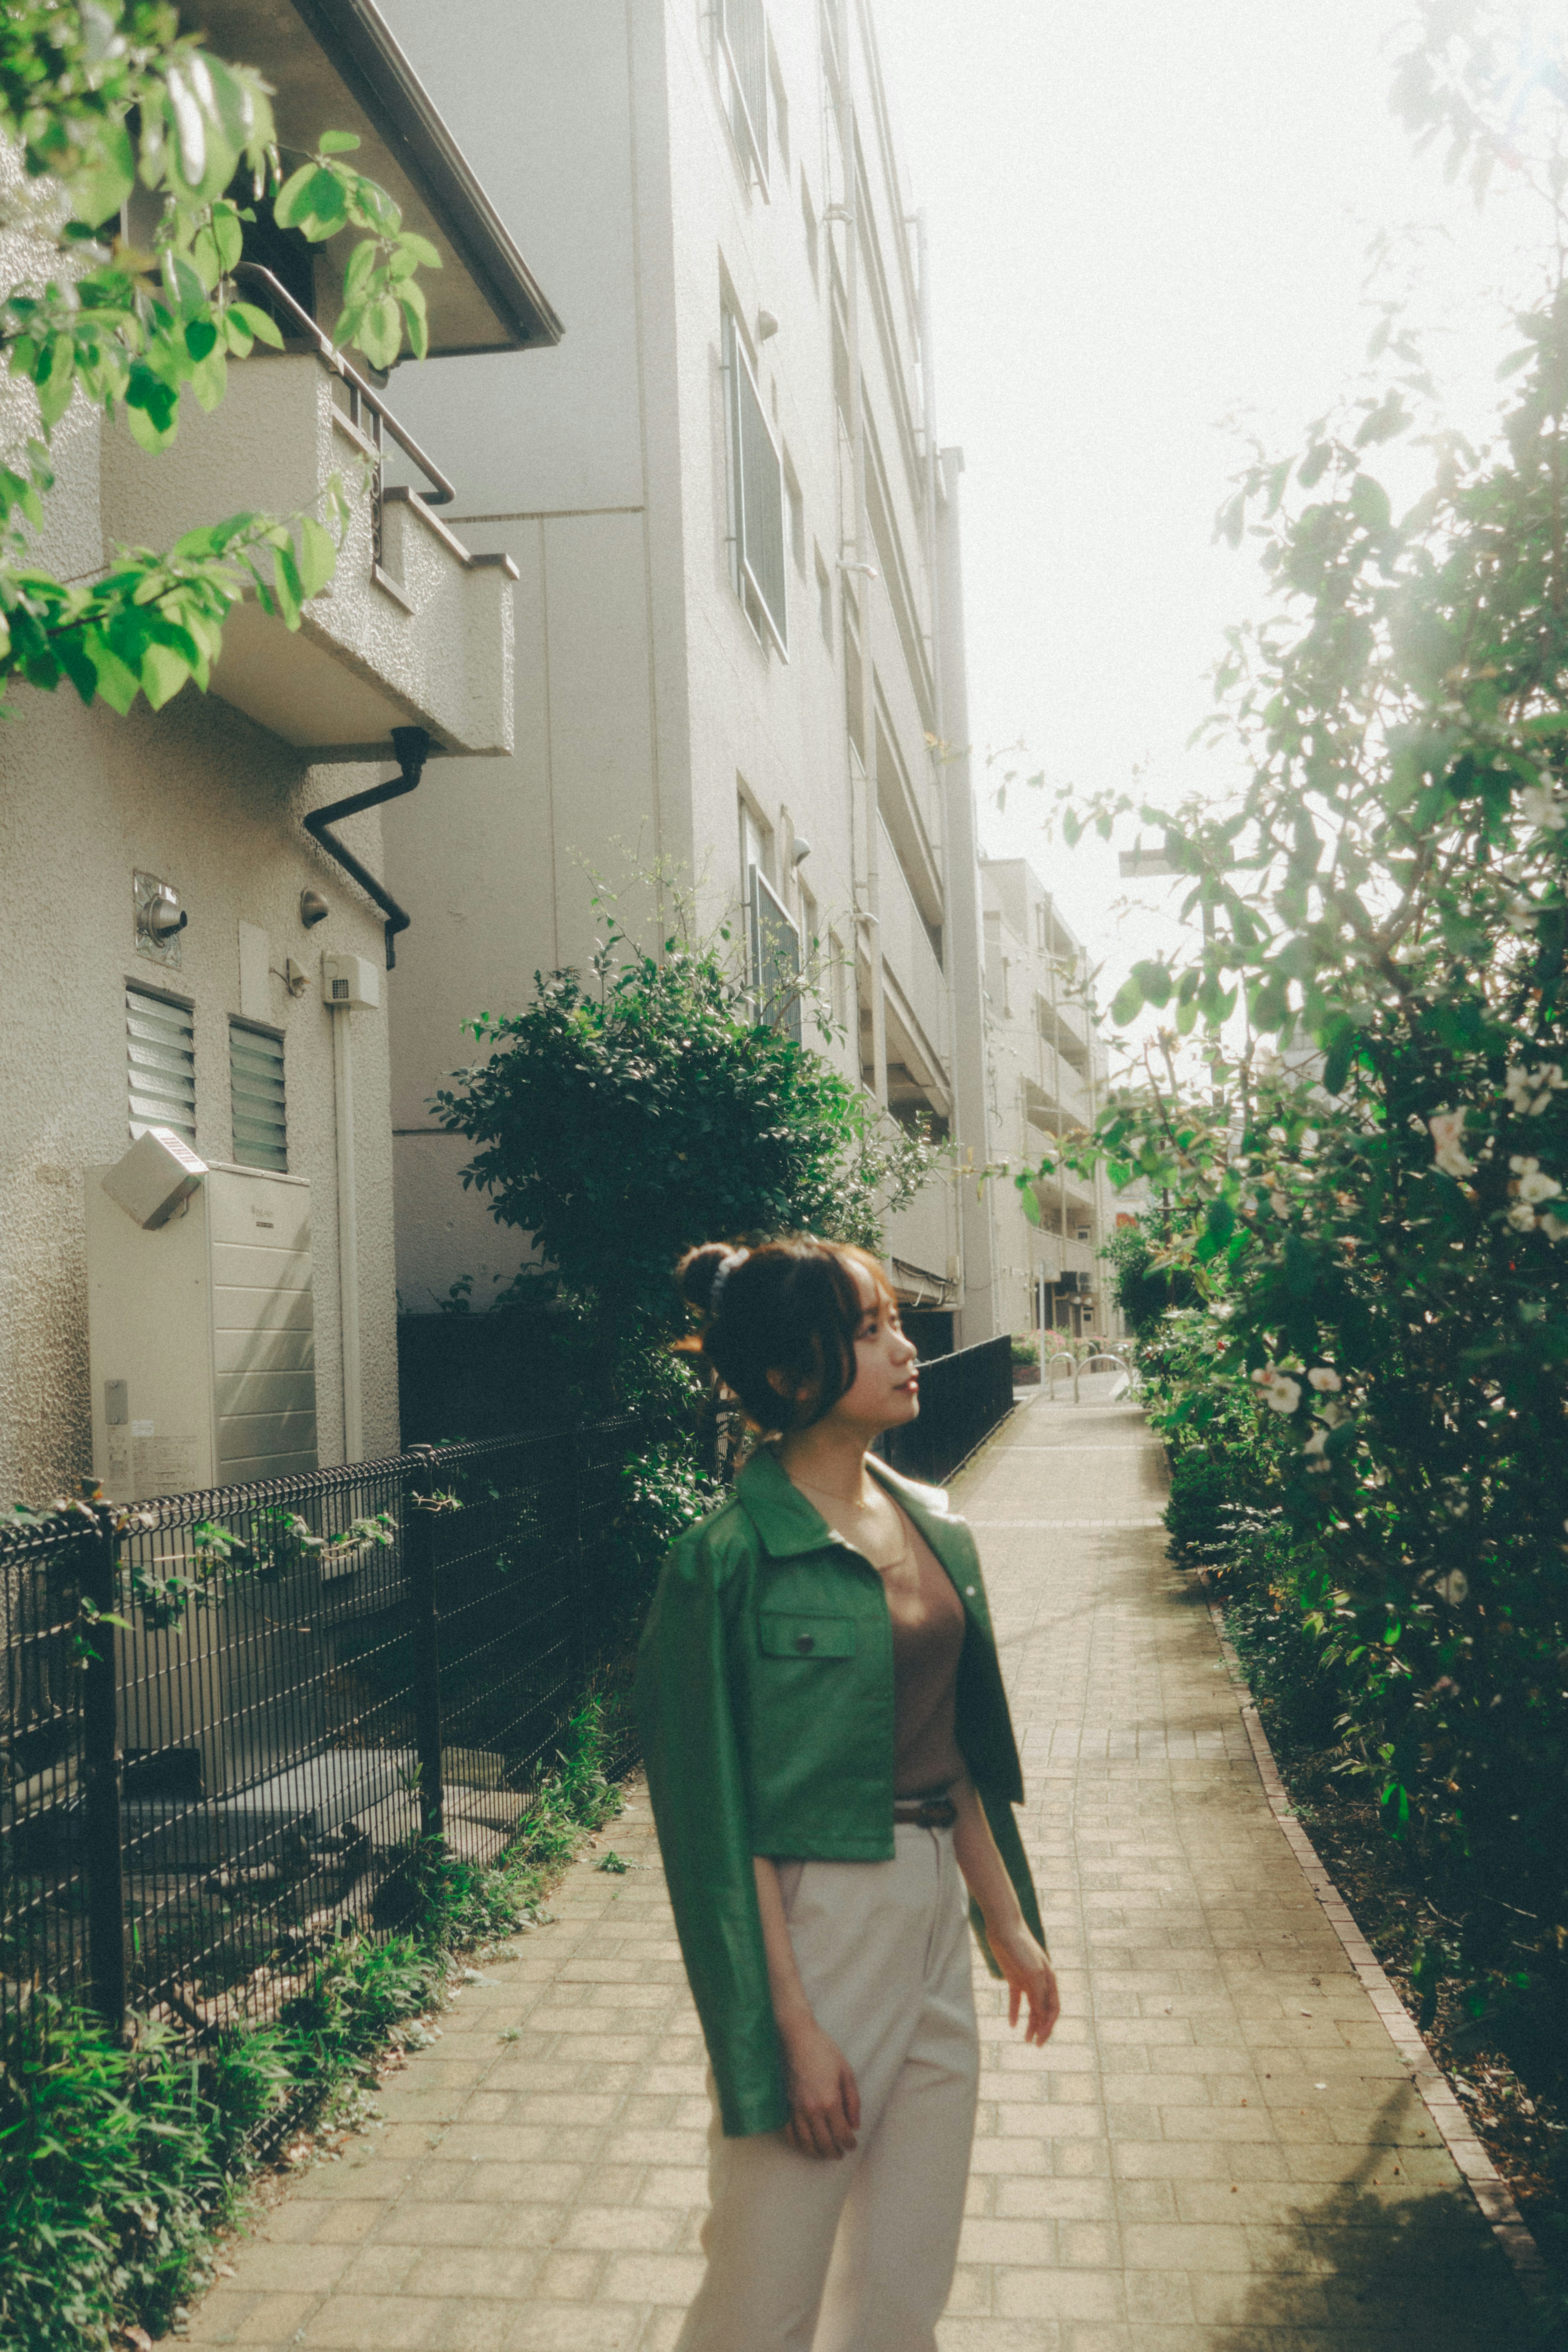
350 979
201 1336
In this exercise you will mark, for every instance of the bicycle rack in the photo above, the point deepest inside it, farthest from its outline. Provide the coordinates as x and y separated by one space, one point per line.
1080 1364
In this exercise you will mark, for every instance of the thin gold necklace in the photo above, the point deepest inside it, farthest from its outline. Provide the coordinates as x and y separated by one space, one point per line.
882 1567
833 1494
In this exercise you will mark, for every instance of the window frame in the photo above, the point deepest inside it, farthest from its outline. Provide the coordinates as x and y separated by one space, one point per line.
768 921
740 37
741 388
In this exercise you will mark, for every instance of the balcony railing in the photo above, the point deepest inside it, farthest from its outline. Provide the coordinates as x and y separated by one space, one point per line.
908 952
414 628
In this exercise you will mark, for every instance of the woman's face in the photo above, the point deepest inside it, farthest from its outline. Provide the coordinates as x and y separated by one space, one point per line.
886 1390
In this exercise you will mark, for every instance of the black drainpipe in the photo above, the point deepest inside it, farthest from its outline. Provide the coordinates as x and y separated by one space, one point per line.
411 746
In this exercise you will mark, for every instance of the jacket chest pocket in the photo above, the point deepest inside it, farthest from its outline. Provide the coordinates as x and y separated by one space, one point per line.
792 1633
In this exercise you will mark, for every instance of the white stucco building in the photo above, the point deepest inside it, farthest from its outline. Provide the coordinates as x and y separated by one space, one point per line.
739 647
1047 1068
117 1017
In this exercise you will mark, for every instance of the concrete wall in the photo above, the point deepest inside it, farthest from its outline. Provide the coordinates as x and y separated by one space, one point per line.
211 803
646 707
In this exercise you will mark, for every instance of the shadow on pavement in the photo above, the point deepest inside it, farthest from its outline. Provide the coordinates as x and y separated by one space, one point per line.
1382 2264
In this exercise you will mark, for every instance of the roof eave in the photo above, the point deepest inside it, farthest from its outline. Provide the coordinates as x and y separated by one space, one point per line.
362 49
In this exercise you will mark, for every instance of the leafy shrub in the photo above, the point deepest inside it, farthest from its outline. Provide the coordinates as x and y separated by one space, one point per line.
619 1124
116 2163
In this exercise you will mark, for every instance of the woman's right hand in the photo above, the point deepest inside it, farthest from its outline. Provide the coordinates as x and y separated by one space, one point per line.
825 2100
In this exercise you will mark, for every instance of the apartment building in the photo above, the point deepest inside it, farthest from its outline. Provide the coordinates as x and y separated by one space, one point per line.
1046 1066
740 621
183 954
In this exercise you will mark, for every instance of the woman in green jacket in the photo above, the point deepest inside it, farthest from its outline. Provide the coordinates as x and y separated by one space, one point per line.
832 1764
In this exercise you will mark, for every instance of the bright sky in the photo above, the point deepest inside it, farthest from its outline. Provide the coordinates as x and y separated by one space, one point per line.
1146 219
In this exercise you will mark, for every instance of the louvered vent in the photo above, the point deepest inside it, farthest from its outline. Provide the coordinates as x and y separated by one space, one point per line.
256 1088
160 1058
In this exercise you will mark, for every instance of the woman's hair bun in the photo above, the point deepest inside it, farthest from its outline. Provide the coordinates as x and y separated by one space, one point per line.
698 1271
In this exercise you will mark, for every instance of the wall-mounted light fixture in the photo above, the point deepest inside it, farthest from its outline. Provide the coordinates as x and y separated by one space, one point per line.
767 326
313 908
801 851
159 918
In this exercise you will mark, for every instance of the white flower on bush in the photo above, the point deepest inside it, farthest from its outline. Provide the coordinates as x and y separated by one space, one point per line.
1280 1393
1522 1217
1326 1380
1529 1091
1534 1185
1555 1228
1454 1587
1445 1128
1542 806
1317 1441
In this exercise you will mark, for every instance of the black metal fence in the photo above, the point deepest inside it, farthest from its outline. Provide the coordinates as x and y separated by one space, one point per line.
229 1718
307 1677
963 1397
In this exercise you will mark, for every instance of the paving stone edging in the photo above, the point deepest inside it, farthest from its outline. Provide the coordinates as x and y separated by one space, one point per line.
1442 2103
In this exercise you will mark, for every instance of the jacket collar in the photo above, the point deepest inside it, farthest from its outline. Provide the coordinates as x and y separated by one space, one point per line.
789 1525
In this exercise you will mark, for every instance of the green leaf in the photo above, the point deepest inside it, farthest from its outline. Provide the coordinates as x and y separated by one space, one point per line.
164 673
312 201
361 265
55 379
105 176
380 333
1127 1002
258 324
317 556
337 142
415 319
1369 504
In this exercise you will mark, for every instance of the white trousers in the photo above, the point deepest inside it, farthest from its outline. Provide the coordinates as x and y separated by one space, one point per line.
809 2254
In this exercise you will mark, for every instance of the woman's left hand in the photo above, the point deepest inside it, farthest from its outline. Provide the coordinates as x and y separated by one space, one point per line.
1029 1977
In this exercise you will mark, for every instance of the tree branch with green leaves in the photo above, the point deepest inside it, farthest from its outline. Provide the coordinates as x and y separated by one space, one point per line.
105 102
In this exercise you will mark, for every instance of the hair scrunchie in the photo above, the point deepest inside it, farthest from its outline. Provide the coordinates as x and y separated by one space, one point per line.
727 1267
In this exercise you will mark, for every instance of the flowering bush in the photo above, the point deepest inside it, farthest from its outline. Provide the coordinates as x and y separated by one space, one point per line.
1367 1190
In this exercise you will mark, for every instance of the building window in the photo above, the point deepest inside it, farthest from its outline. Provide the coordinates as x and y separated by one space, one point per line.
781 111
809 216
160 1064
775 957
256 1098
824 602
795 506
756 493
742 34
838 967
811 943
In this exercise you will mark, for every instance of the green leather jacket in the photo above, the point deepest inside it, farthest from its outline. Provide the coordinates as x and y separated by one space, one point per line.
765 1703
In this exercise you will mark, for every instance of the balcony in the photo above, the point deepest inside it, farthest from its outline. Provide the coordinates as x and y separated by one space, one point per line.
922 1241
915 986
413 631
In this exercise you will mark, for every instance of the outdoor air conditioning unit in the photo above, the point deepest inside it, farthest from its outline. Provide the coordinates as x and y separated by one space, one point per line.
201 1322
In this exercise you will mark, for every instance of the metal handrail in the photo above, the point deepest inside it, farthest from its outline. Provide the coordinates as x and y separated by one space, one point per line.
1079 1364
442 492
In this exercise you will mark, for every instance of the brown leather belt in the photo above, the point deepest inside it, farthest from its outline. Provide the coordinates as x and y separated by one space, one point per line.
926 1813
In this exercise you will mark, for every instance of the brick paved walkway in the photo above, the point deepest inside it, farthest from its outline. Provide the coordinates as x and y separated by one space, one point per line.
1220 2151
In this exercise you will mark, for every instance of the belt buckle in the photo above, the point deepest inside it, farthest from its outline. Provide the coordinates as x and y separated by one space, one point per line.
933 1813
